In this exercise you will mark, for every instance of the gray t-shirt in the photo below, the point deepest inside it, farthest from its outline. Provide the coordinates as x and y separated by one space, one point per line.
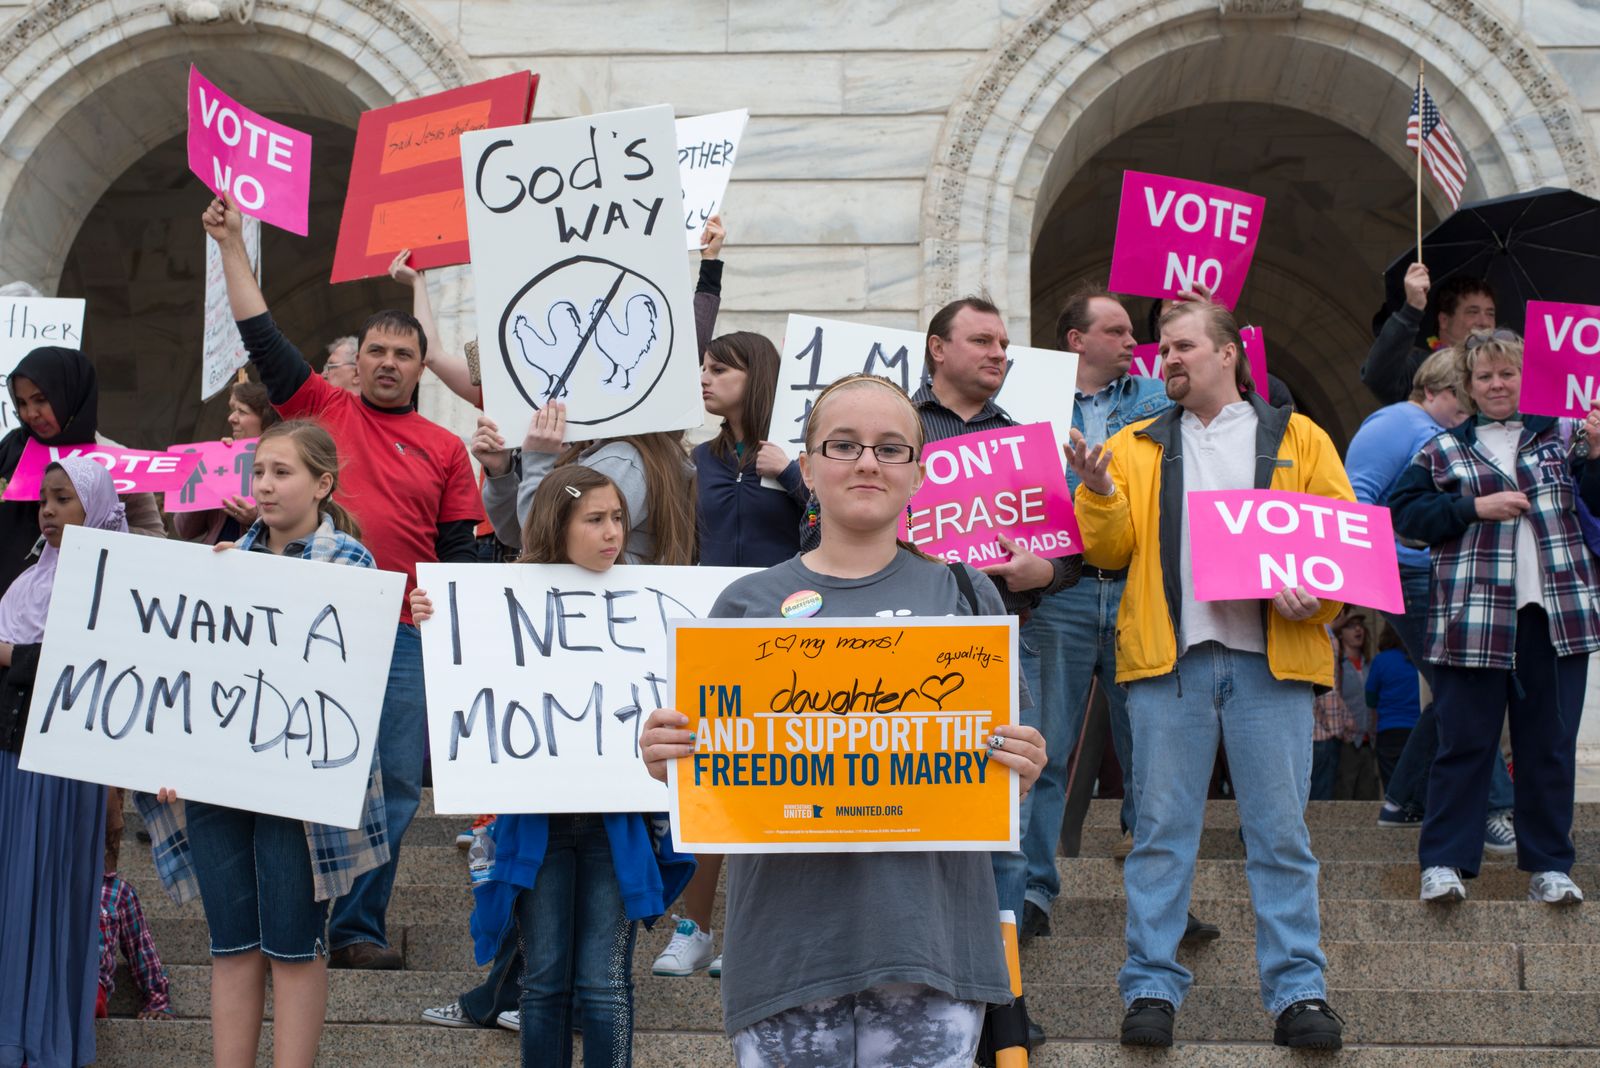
806 926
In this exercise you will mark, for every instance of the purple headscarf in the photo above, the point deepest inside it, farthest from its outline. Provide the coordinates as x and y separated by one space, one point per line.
26 604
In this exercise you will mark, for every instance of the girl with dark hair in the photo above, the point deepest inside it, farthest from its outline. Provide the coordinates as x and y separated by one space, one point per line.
750 496
57 402
249 413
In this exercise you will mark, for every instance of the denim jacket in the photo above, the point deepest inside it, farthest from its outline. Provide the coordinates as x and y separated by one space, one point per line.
1134 398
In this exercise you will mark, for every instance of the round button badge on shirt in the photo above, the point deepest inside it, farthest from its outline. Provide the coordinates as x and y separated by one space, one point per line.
800 604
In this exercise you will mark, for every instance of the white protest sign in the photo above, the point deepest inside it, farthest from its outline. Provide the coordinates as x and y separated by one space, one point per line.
707 147
238 679
1040 384
583 295
540 678
222 350
27 323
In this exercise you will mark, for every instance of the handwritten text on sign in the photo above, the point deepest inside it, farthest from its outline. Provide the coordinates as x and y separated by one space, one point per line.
262 167
844 735
1007 481
1561 359
221 473
1038 387
222 350
132 470
1147 358
405 176
707 145
27 323
238 679
1250 544
540 677
1173 233
582 294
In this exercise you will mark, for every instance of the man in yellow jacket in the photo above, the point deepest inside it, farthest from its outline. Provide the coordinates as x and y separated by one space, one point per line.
1199 671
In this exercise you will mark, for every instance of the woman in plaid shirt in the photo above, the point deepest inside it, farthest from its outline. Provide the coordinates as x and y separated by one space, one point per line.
1513 619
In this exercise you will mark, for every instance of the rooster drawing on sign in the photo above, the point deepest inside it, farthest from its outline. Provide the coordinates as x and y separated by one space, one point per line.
627 347
549 356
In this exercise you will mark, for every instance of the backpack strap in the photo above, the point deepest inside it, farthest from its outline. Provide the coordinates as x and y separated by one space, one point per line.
964 581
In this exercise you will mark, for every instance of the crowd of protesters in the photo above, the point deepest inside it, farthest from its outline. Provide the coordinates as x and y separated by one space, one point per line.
1300 699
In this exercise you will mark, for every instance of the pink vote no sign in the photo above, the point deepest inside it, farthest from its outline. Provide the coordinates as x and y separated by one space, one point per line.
132 470
1250 544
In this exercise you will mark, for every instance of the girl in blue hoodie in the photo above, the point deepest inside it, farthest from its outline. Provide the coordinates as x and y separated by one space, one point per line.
574 885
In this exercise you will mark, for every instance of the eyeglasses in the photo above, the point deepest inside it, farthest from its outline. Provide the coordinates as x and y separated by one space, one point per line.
886 453
1483 337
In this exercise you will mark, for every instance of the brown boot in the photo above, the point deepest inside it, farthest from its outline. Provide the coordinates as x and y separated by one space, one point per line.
367 956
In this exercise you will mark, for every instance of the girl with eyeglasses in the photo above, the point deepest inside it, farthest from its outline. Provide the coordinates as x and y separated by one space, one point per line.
875 958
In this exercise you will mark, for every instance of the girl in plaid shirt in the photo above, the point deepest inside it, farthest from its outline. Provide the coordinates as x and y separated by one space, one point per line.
1512 623
265 881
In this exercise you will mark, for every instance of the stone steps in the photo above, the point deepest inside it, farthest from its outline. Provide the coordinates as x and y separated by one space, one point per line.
1496 980
187 1044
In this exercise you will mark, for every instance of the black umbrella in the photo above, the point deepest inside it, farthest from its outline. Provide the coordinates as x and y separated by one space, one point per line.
1543 245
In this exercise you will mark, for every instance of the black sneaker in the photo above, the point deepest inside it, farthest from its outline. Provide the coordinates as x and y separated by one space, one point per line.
1309 1024
1390 818
1035 923
1199 930
1148 1022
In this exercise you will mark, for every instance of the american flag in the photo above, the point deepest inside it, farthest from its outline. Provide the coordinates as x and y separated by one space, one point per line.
1438 149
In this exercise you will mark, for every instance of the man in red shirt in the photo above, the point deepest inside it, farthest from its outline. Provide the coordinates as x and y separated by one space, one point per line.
409 483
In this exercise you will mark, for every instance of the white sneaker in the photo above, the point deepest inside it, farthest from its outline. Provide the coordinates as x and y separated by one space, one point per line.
1499 836
1554 888
511 1019
690 950
715 970
448 1016
1442 884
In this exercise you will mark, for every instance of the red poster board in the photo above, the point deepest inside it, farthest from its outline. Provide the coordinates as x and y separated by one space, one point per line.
405 177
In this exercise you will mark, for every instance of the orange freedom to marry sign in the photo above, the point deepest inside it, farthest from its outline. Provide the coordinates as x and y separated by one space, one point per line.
844 735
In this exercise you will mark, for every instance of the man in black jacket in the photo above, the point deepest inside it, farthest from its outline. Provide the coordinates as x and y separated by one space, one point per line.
1464 304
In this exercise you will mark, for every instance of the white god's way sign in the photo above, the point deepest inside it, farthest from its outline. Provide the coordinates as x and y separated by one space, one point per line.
540 678
238 679
1039 388
583 294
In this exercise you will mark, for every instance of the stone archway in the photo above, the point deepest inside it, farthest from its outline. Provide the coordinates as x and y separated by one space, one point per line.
84 97
1078 73
91 128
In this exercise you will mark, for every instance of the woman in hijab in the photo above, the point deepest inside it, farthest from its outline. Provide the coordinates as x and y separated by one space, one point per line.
56 399
52 830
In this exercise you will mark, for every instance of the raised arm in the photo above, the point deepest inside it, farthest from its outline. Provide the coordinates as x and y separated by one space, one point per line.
283 369
449 367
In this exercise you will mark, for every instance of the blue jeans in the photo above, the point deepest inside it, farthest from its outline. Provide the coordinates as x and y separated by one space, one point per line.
402 747
254 872
501 989
1011 869
1408 789
1178 719
1075 634
577 947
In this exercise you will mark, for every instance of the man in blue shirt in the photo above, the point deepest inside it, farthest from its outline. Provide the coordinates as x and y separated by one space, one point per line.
1380 451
